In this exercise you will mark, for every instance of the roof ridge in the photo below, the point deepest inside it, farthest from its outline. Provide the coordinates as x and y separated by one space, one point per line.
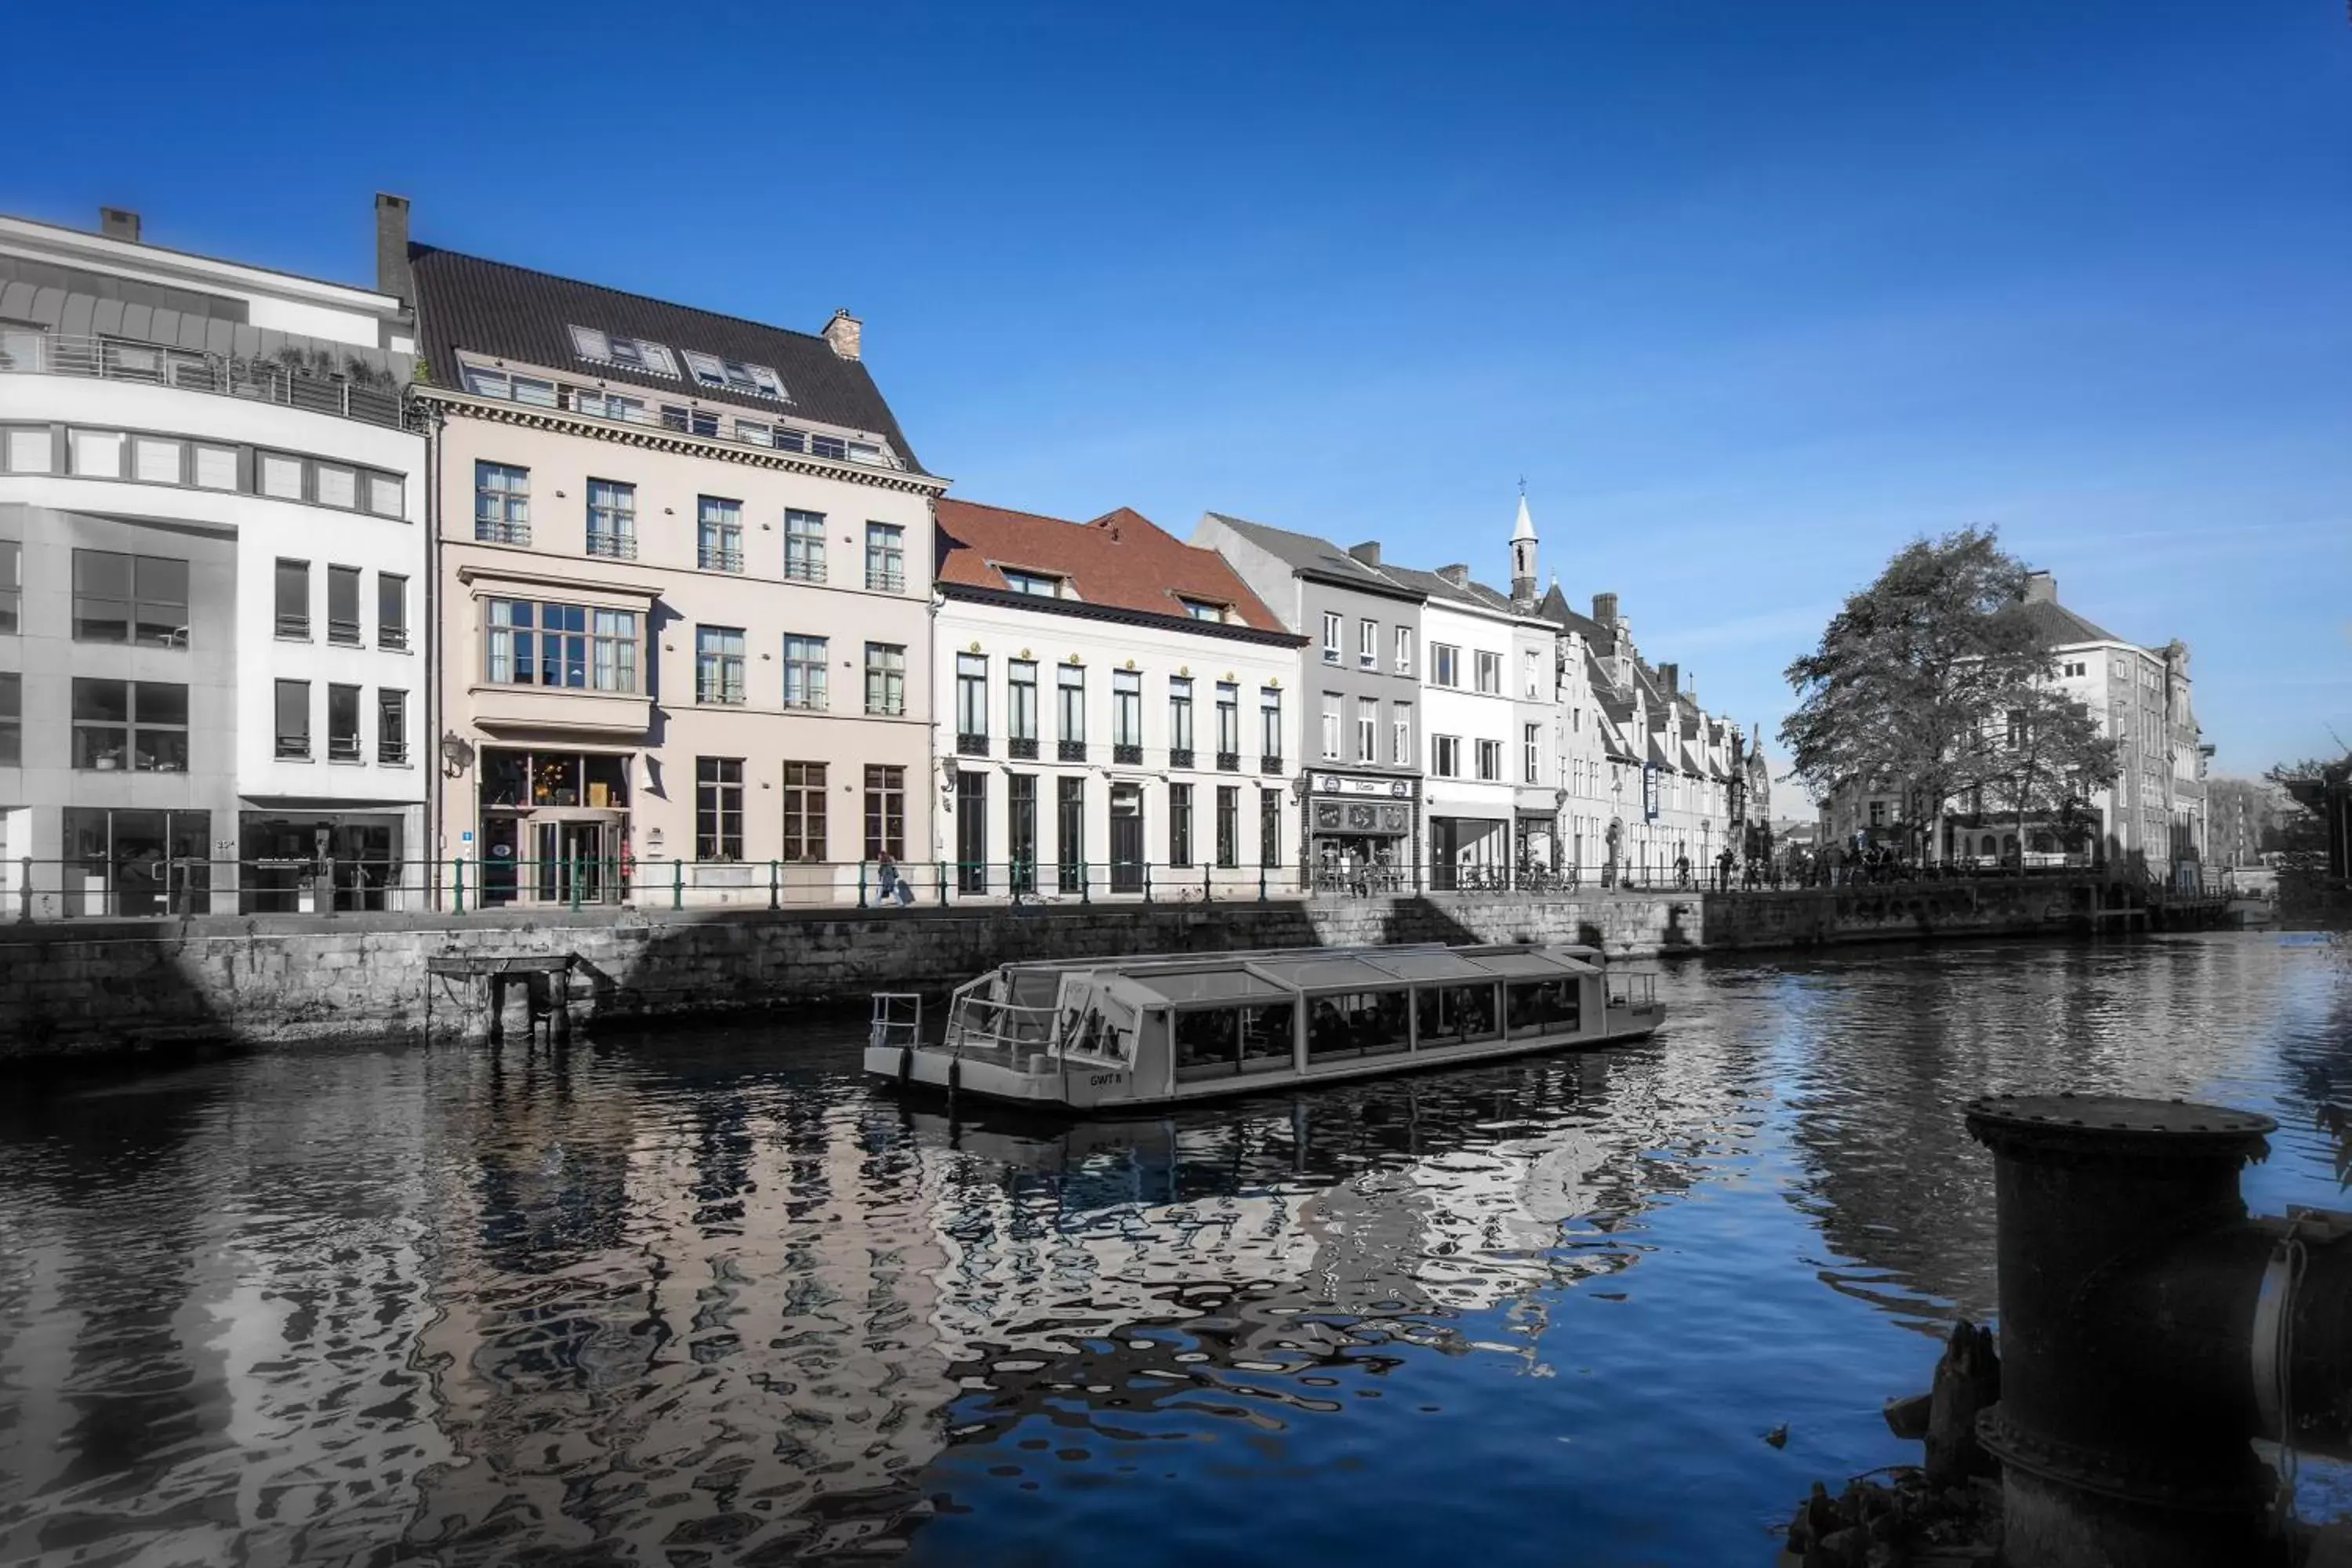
415 248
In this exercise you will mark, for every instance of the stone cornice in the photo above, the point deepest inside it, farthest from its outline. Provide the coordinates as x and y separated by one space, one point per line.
1083 609
662 438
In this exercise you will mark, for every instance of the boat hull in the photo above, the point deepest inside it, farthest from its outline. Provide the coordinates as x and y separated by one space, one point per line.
1077 1086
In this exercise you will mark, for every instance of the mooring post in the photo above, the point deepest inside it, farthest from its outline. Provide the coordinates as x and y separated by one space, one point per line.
558 1005
458 883
496 984
941 868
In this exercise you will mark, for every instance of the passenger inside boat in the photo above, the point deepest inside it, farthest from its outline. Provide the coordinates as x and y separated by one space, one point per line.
1457 1014
1252 1039
1543 1007
1356 1023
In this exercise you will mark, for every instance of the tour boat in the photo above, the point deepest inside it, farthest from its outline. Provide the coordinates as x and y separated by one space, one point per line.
1101 1033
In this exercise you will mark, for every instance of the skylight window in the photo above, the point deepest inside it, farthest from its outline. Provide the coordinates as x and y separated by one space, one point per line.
1205 609
634 353
1043 584
734 375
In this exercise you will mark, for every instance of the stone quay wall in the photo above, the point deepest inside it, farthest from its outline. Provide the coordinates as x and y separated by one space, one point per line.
88 989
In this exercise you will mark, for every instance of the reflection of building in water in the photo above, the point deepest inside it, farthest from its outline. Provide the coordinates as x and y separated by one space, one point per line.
717 1336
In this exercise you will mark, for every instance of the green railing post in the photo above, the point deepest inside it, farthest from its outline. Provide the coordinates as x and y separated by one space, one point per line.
1261 881
458 882
678 884
1207 870
861 884
775 884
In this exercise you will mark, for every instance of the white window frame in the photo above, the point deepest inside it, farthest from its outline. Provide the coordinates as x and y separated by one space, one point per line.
1333 625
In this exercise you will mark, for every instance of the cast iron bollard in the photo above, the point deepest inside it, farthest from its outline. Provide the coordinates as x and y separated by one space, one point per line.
2150 1329
457 885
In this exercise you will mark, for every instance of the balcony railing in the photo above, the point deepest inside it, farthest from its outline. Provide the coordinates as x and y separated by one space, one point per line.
294 627
806 702
613 546
721 561
342 747
294 748
1229 761
1020 750
489 530
392 640
1127 755
258 380
969 744
1071 751
884 581
395 753
803 571
343 631
1269 764
1179 756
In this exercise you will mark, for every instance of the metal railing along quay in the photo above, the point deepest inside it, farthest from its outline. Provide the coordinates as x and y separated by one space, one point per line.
255 378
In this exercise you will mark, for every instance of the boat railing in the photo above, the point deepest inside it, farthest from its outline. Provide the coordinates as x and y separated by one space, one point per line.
984 1024
1632 989
898 1019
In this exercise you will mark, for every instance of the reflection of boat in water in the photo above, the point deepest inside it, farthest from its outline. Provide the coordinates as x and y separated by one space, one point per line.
1105 1032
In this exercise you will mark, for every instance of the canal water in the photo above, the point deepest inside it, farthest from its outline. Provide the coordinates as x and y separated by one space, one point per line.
712 1298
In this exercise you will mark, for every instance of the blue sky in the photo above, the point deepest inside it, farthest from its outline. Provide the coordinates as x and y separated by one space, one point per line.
1750 294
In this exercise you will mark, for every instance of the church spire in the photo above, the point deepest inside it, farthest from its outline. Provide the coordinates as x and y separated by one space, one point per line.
1523 555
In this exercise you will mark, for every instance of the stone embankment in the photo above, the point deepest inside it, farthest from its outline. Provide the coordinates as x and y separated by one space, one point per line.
86 988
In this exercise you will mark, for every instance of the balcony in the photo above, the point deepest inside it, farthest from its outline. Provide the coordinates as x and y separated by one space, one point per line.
1071 751
1229 761
392 640
1125 755
1021 751
490 530
799 571
971 745
299 628
1269 764
1179 757
613 546
226 375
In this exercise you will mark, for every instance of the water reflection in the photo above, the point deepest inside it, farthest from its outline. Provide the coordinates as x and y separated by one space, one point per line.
711 1297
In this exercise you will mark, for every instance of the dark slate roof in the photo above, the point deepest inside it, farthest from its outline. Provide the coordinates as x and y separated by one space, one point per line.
2061 624
511 313
1319 557
1553 607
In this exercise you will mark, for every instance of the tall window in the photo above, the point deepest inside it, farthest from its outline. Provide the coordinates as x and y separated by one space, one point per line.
1445 756
1531 740
1368 643
1490 673
612 519
1332 623
1368 730
886 812
1331 725
1179 724
1269 827
391 611
886 679
343 605
1404 650
342 724
1127 716
578 646
804 665
1229 724
1534 660
294 599
885 557
805 545
1444 665
1070 832
294 720
718 534
391 726
12 719
1180 824
1070 692
1490 759
718 665
1229 812
804 808
1021 708
119 598
1269 726
130 726
1401 735
971 702
718 808
501 504
12 587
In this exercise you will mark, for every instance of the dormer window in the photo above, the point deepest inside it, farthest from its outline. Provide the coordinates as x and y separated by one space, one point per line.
1204 609
631 354
734 375
1044 586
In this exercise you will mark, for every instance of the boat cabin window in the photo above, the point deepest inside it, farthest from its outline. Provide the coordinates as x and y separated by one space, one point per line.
1543 1006
1088 1033
1212 1041
1458 1015
1356 1023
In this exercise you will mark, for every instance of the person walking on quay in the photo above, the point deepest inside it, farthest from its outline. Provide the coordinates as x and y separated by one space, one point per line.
1682 870
895 888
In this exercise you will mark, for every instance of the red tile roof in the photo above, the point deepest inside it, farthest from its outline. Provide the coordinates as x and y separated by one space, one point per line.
1121 560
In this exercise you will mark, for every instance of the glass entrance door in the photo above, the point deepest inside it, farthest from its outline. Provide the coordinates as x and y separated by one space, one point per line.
1127 838
562 852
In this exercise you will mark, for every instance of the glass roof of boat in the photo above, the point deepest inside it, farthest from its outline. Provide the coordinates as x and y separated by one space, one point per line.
1271 976
1236 984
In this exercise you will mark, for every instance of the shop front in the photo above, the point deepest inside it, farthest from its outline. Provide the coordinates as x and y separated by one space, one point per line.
300 861
1361 832
553 826
1468 852
121 862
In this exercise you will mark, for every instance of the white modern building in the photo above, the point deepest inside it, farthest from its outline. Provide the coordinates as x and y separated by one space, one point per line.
212 571
1119 714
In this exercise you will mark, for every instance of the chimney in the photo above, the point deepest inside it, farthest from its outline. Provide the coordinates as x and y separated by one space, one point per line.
1458 575
2041 588
392 274
843 332
1670 678
1604 610
119 223
1368 552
